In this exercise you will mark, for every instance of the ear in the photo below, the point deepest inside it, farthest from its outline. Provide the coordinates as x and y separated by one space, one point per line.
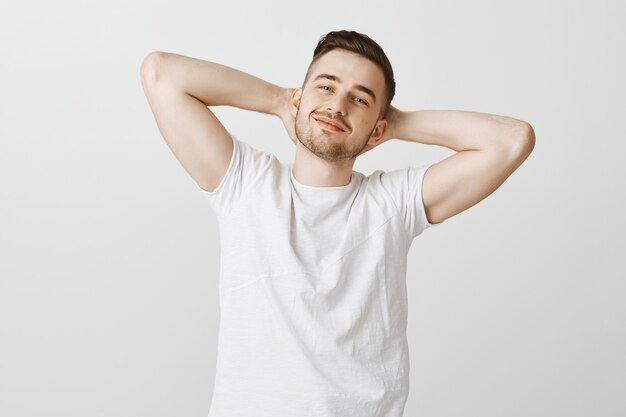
378 132
294 102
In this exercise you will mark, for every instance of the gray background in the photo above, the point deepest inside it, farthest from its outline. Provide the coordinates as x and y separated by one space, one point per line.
109 254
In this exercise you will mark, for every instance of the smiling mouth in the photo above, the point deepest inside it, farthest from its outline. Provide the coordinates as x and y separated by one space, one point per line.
328 126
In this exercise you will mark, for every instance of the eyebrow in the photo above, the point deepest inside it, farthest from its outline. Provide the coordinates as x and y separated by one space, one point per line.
358 86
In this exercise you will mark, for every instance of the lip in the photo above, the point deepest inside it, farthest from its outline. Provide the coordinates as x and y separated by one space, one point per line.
327 124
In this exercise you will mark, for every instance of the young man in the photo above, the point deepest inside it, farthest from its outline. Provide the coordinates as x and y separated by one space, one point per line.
313 254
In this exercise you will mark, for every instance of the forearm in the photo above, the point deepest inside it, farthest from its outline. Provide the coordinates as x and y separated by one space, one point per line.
212 83
459 130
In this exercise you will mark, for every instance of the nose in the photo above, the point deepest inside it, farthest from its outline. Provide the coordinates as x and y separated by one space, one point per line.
337 105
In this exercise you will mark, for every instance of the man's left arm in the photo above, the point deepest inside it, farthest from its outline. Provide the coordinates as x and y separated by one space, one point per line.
489 149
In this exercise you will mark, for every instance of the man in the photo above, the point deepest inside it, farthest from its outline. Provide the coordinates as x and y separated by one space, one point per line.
313 254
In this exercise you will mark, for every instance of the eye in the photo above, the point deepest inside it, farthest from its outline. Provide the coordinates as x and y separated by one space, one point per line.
358 98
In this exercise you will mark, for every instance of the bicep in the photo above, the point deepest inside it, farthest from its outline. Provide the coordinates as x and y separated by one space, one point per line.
464 179
196 137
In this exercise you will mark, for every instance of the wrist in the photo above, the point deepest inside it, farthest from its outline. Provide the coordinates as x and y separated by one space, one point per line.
281 101
394 120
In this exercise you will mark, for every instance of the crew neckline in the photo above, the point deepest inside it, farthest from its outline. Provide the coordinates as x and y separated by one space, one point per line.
338 187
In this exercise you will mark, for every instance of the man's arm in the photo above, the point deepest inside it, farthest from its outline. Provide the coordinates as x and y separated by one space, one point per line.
180 88
489 149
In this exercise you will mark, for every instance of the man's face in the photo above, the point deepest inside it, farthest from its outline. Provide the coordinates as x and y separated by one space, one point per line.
338 90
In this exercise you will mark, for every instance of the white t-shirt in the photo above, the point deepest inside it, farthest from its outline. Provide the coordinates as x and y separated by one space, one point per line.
312 292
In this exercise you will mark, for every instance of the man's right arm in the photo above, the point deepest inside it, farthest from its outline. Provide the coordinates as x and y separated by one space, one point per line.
180 88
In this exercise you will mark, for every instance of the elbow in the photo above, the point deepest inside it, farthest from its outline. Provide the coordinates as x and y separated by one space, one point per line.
148 69
528 138
525 141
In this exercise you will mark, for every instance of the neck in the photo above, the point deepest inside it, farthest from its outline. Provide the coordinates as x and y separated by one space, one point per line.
311 170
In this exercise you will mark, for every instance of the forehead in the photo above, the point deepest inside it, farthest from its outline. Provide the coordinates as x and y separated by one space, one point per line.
351 69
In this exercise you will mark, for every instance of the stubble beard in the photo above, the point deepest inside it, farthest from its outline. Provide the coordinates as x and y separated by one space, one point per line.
326 147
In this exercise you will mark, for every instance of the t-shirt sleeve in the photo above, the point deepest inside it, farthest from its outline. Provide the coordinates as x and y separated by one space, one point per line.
405 187
245 166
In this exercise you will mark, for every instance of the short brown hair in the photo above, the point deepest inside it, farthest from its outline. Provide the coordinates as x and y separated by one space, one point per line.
363 45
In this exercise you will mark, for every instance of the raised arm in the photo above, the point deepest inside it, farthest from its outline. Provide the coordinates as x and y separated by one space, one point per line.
489 149
180 88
